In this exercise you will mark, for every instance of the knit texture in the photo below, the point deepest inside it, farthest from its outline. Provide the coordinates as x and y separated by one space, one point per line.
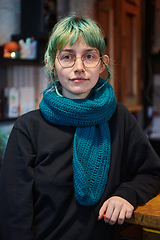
92 143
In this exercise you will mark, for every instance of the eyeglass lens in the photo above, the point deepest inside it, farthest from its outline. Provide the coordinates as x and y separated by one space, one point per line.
68 59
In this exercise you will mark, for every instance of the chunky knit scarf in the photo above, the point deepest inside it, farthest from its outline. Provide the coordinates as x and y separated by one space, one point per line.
92 144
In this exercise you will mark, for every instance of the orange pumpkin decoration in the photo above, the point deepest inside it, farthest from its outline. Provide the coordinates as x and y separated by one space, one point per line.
11 46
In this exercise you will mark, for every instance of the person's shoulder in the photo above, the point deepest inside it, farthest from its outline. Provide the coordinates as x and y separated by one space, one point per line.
122 116
122 110
32 118
120 106
31 115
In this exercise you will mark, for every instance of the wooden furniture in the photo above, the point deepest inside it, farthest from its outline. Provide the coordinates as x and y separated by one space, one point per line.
122 27
148 216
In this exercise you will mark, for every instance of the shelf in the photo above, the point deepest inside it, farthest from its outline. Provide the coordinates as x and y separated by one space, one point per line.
7 119
12 62
135 108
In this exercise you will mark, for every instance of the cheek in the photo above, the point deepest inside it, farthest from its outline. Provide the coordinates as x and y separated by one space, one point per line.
62 73
96 73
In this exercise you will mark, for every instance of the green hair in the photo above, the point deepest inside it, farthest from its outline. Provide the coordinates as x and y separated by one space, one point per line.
68 30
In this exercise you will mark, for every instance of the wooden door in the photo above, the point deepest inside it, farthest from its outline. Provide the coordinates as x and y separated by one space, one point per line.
131 53
104 15
121 23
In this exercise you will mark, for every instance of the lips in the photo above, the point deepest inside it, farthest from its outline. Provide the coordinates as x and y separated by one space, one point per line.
78 79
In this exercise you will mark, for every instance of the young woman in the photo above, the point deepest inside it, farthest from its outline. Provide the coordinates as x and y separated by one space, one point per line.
81 162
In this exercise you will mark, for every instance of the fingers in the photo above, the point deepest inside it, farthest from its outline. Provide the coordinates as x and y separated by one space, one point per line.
102 211
111 216
116 209
114 213
121 217
129 213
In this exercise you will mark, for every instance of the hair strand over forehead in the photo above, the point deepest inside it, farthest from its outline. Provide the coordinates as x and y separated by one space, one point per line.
67 31
71 28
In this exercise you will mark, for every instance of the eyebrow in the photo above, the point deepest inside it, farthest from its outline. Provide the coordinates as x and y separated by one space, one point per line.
86 50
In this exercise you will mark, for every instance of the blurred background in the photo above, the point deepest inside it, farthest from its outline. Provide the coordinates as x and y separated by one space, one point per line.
132 34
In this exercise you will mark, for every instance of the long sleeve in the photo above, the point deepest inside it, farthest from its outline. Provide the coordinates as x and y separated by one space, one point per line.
36 183
16 184
140 165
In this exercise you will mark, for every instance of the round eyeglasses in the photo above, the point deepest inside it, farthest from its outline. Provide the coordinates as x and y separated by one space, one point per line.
89 59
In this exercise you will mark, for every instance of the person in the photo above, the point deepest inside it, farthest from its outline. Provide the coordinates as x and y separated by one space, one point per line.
81 162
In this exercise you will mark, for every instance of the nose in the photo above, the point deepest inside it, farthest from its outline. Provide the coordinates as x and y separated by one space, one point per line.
78 66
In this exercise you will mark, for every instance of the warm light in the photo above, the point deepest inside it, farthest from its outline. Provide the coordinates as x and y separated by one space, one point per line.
13 55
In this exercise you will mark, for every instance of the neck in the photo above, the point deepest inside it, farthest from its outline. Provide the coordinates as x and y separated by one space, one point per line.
71 95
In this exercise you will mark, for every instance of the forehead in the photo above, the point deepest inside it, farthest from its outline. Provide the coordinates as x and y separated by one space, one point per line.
79 47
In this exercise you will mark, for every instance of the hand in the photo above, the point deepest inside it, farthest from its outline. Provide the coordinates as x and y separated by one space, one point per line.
115 209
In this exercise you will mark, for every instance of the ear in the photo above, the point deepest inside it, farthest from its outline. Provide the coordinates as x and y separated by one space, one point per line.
48 65
106 60
55 73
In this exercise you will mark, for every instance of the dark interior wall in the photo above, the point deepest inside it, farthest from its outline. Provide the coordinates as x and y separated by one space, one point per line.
148 36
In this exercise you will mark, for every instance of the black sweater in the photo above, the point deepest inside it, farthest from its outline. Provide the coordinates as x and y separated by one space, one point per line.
36 183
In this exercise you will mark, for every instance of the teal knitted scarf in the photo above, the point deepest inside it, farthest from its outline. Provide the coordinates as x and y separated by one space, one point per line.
92 143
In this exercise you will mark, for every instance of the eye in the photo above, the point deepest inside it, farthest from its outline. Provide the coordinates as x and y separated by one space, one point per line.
91 56
65 56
